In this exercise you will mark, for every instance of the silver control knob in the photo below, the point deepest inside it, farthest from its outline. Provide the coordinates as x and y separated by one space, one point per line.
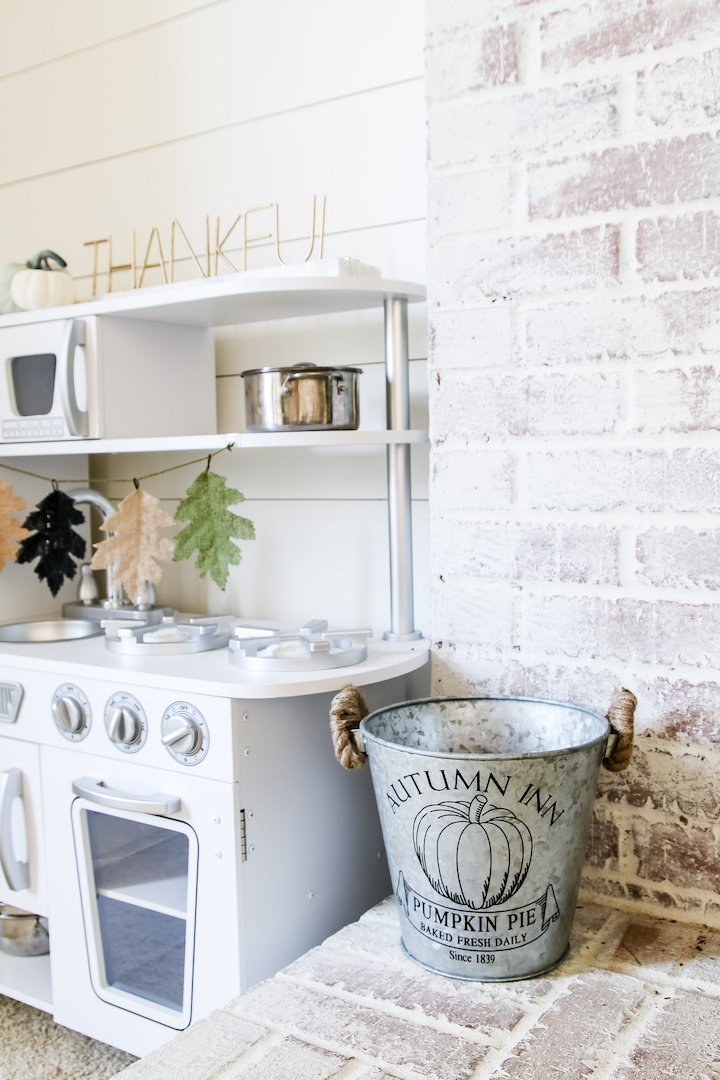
125 722
183 734
69 715
71 712
125 727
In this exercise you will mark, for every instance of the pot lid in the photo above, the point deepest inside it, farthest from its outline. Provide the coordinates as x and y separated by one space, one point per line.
300 369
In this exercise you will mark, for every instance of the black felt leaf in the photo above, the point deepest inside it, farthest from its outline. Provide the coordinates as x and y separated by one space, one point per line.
53 540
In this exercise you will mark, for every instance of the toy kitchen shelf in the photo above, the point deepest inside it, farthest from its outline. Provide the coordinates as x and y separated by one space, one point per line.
232 299
235 298
239 441
27 978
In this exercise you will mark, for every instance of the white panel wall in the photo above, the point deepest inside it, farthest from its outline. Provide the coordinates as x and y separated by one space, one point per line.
130 115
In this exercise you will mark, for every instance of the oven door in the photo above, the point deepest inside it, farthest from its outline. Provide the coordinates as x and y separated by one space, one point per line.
145 898
138 886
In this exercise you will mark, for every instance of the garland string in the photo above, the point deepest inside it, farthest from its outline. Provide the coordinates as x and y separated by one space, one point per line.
117 479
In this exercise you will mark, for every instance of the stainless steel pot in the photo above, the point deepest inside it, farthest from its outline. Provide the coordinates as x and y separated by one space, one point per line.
302 398
22 933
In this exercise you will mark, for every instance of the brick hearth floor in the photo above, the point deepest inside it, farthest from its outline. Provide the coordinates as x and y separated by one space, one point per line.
638 998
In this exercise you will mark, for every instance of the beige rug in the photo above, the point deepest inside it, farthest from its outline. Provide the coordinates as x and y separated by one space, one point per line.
33 1047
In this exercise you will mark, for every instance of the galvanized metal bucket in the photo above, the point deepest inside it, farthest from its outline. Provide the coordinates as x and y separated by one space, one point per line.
485 805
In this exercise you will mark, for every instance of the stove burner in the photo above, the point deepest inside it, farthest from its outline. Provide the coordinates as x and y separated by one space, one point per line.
314 648
136 616
170 637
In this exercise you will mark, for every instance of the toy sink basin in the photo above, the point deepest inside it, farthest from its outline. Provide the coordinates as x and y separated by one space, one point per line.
45 630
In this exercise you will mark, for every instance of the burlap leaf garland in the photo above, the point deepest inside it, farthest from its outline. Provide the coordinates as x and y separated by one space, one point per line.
10 528
137 546
53 539
211 526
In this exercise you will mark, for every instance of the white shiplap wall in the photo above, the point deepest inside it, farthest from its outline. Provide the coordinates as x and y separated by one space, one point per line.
130 115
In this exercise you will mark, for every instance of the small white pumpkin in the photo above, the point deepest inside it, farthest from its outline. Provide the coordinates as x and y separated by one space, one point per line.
42 286
7 273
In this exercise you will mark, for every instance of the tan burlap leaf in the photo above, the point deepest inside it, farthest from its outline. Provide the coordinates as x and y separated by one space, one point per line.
10 527
137 547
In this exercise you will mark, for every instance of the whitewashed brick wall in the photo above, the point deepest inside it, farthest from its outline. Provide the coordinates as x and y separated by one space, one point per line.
574 220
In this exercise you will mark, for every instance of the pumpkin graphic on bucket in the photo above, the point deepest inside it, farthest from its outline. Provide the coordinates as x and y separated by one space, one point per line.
474 853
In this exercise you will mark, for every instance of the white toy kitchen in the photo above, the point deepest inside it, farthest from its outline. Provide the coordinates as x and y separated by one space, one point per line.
169 799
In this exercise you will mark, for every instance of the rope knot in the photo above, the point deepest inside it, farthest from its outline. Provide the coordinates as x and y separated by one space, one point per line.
347 709
621 715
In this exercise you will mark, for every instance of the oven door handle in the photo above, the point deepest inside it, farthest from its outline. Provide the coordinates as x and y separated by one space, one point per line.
74 337
97 791
17 874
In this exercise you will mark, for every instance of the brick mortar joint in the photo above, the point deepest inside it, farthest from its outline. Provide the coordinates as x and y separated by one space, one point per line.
408 1072
413 1015
653 443
647 59
641 62
522 517
697 917
625 136
655 981
630 596
643 364
639 290
509 991
636 593
493 8
615 665
487 1068
250 1055
674 751
625 219
626 1039
624 813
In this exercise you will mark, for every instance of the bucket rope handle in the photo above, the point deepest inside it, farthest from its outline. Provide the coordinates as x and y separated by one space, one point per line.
347 709
621 715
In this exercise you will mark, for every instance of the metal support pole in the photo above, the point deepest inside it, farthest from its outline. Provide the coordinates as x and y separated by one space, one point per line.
397 385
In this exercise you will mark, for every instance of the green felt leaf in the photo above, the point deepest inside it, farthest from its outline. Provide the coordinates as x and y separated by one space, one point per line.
211 526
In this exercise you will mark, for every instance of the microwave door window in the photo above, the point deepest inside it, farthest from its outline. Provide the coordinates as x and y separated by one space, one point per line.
33 383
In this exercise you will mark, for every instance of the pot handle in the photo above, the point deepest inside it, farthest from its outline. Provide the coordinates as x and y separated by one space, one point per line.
17 874
347 709
308 372
619 746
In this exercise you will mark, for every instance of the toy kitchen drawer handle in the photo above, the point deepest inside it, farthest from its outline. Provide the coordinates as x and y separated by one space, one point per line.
96 791
17 874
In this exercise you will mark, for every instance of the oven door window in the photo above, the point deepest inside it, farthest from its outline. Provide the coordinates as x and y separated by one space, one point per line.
33 383
138 876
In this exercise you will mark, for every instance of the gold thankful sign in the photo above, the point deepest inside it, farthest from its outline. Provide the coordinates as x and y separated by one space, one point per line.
215 252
